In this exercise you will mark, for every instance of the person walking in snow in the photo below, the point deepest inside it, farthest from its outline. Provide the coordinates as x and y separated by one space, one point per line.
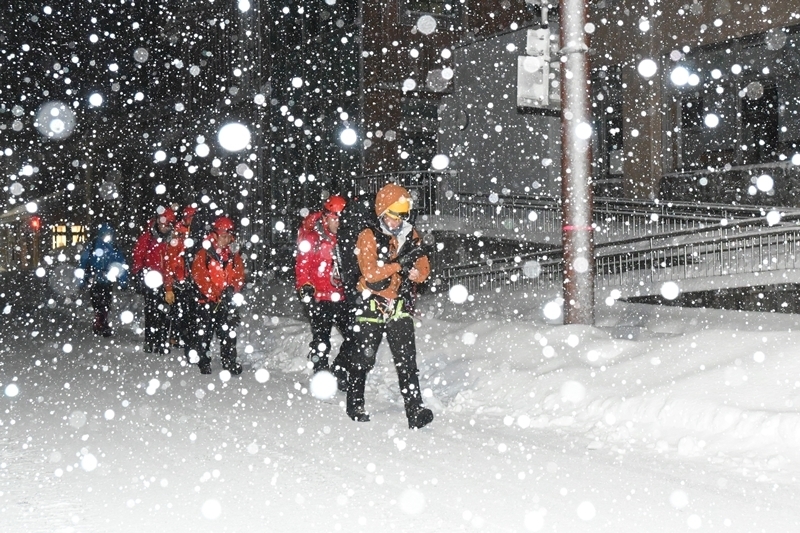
177 282
391 262
150 266
218 273
319 286
102 266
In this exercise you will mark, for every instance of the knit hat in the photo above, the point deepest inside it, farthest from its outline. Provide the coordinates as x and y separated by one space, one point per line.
392 197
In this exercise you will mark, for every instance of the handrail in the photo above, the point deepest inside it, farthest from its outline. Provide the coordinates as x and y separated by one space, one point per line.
548 263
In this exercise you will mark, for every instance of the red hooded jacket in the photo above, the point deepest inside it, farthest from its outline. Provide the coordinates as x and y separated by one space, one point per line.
150 251
315 263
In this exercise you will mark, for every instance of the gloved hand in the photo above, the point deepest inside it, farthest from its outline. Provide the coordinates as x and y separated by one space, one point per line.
407 260
306 293
227 296
234 319
169 297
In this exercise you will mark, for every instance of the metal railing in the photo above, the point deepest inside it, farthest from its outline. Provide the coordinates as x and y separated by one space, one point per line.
614 219
532 217
734 258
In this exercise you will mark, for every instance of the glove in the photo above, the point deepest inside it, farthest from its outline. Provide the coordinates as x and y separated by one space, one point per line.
227 296
169 297
306 293
234 319
407 260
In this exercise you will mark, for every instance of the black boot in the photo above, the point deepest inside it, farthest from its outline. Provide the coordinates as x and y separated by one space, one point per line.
204 364
355 396
419 417
359 415
232 366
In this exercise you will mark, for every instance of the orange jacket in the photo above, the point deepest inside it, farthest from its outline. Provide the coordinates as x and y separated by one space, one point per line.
373 270
214 270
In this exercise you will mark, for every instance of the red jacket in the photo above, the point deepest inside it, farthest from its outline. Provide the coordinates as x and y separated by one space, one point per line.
315 263
215 269
175 258
150 252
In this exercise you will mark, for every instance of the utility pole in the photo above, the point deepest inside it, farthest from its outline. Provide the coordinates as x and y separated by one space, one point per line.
576 172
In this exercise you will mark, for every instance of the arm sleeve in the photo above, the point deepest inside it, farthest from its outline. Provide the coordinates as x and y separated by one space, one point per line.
139 252
238 273
423 264
172 258
304 261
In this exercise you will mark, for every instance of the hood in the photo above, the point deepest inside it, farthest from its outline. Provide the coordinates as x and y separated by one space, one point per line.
388 195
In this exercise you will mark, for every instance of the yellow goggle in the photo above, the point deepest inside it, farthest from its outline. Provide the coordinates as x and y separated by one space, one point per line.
396 216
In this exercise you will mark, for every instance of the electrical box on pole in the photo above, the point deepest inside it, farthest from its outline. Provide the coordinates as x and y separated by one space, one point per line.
533 70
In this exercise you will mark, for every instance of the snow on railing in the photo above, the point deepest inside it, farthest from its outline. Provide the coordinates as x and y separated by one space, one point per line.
746 255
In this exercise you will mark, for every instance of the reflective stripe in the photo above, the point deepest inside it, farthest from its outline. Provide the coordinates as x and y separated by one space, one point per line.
385 313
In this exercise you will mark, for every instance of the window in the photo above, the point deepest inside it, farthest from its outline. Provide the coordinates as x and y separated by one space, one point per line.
734 104
67 235
607 116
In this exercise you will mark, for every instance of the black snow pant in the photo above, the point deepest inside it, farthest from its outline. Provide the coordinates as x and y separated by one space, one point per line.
156 321
378 317
324 315
100 294
210 319
180 312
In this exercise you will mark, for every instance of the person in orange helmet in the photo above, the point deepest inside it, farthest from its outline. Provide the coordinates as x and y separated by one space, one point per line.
391 262
218 274
150 268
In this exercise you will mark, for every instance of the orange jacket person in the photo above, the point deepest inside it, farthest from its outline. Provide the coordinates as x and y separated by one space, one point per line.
391 261
218 274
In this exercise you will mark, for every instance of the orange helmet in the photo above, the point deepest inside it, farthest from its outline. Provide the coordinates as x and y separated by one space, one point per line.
392 198
334 204
223 224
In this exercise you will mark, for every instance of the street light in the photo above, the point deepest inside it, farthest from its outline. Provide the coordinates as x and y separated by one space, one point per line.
348 136
234 137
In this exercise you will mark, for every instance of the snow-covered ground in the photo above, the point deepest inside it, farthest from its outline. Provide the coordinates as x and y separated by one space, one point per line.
655 420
